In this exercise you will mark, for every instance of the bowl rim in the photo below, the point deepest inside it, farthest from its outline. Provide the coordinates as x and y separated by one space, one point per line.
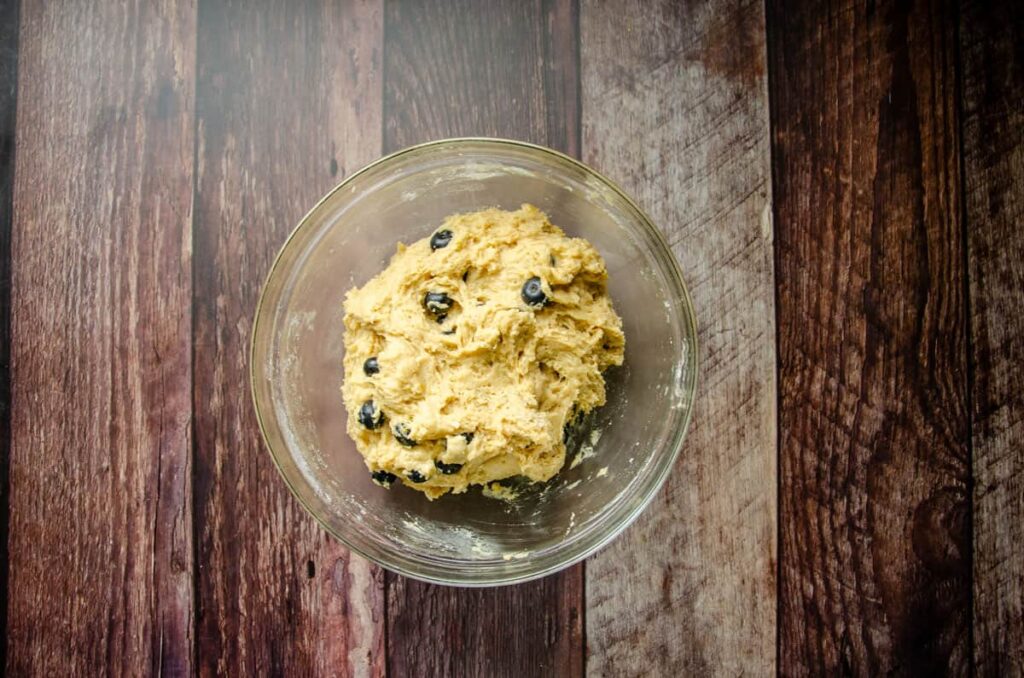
690 319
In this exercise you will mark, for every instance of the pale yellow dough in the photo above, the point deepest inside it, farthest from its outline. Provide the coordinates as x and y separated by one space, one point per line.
509 374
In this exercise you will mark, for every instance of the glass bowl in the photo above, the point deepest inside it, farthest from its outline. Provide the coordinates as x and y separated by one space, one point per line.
625 449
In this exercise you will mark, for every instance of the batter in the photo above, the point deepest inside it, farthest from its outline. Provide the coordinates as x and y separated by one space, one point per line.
467 356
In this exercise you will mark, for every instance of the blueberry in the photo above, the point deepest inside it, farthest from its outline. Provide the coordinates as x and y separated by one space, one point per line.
401 432
438 303
440 239
533 293
447 469
371 366
416 477
468 436
370 415
383 478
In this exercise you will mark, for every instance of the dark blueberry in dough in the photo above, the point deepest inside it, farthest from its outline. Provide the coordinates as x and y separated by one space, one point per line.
440 239
401 432
468 436
383 478
533 293
370 415
416 477
371 366
441 318
438 303
447 469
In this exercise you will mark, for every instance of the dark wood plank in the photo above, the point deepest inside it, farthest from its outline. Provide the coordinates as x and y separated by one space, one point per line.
992 56
8 101
496 69
875 548
675 107
288 102
467 68
100 526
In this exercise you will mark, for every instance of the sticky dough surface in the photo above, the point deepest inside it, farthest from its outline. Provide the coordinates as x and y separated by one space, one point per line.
488 388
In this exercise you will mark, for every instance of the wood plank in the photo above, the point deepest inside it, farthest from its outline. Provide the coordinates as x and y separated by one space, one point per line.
288 102
875 548
991 36
100 518
496 69
675 108
8 101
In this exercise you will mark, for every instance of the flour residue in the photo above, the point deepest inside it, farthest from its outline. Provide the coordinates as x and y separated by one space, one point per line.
587 449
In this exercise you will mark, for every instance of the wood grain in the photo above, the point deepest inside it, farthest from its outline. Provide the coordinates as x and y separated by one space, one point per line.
100 534
288 102
675 108
8 100
875 546
497 69
991 40
162 151
464 68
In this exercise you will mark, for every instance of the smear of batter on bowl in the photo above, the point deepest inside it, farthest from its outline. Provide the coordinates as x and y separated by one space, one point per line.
498 491
470 353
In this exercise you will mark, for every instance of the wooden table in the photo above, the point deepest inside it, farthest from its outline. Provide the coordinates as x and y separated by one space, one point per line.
843 184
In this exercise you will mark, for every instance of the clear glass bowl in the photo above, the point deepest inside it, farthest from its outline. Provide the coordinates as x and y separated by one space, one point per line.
630 444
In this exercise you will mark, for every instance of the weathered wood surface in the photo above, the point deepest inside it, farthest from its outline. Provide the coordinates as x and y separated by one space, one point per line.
494 69
100 517
991 40
8 99
675 108
288 100
159 153
874 512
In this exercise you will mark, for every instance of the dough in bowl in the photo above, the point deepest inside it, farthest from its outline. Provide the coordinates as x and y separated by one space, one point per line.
469 354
